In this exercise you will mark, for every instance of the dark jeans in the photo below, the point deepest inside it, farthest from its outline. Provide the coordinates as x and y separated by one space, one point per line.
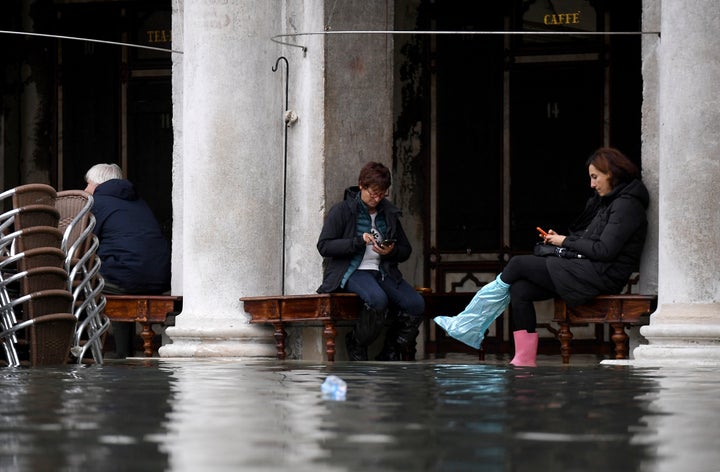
380 292
529 281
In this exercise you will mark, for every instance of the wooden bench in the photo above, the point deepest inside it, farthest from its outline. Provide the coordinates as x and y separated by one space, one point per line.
329 310
332 309
144 309
619 311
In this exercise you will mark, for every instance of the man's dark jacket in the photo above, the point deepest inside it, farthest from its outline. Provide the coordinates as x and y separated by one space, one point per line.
133 252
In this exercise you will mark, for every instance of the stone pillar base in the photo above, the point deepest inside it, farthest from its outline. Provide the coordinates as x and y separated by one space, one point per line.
220 340
681 334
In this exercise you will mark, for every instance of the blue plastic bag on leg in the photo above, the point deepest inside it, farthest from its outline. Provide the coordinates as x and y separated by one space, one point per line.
469 326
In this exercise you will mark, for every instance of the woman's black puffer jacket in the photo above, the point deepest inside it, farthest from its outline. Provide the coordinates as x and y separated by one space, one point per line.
610 245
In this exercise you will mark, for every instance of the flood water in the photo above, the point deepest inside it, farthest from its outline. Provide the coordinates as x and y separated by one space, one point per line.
210 415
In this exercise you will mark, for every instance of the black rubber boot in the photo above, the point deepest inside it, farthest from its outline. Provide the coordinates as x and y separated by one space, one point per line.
355 351
369 324
409 332
400 338
391 351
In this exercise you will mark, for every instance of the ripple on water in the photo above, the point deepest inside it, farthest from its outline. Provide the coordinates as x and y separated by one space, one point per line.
266 415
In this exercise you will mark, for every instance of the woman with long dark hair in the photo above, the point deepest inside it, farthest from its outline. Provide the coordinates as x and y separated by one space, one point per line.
596 257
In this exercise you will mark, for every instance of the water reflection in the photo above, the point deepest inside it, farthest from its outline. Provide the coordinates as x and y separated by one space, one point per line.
70 418
411 417
265 415
681 420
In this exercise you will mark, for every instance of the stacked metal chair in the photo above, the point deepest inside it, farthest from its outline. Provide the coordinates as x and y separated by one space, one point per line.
50 290
35 298
79 244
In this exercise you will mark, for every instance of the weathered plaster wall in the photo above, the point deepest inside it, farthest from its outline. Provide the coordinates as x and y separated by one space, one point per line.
650 145
358 92
305 202
410 143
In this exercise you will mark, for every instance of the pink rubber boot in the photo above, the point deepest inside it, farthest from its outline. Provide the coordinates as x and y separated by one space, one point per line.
525 348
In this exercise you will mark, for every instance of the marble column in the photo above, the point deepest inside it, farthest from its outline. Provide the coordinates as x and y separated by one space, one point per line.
686 326
228 175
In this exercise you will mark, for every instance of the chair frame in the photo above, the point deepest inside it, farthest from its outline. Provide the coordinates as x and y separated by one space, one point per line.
76 256
85 282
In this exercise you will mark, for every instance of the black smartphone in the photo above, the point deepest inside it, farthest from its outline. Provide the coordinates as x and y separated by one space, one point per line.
387 242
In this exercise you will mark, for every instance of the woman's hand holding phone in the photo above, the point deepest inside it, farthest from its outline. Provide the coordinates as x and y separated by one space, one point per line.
551 237
388 242
384 247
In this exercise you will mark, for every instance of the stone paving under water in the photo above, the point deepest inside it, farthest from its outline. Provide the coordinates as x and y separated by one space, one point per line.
451 414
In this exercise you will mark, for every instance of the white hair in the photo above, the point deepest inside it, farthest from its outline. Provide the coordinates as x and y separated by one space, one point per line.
100 173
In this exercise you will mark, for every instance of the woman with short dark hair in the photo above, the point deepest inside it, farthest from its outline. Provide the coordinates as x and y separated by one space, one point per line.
363 242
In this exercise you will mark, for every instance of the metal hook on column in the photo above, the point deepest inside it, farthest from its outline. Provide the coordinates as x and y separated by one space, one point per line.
287 75
284 195
289 116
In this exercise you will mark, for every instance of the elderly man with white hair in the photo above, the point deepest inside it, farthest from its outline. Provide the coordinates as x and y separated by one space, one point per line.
134 253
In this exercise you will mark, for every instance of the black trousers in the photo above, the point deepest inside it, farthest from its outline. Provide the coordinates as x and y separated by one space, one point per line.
123 332
529 281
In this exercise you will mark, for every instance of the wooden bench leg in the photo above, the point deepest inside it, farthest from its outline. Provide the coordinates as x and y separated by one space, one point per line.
147 335
280 335
565 336
620 338
329 334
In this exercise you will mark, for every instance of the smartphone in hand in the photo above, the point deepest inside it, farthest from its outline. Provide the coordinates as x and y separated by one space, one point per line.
543 233
387 242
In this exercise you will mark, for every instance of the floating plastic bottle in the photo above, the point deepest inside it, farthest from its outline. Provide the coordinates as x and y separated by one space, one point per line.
334 388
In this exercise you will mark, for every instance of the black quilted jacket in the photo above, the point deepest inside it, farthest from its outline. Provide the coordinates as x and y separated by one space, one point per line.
611 243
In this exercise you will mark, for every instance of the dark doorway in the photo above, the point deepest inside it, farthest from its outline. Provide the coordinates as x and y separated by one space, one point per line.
516 116
150 141
469 84
114 101
556 114
90 116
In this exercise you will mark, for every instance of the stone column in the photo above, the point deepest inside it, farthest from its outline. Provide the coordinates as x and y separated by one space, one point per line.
229 168
686 326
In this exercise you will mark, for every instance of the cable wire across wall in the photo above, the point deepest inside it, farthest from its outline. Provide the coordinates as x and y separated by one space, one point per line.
278 38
